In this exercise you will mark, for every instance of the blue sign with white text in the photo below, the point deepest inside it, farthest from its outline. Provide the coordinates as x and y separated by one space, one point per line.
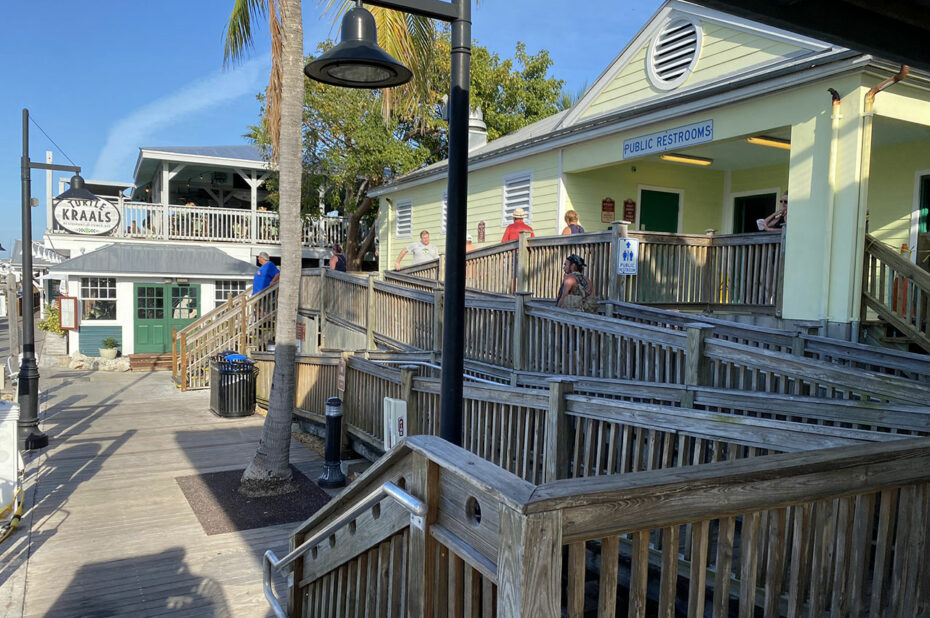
670 139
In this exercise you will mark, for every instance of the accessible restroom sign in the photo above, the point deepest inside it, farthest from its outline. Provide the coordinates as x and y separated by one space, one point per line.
628 256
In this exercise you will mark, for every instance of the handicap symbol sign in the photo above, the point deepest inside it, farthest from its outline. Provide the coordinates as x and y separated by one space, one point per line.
628 256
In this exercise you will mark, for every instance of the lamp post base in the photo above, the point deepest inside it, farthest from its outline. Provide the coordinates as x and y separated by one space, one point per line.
35 440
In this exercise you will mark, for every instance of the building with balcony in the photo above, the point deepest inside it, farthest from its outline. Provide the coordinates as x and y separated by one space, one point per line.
187 233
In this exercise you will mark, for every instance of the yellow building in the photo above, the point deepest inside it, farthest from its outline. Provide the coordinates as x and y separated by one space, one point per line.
703 121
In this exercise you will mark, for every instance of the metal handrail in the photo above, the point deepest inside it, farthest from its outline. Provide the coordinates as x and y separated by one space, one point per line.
416 507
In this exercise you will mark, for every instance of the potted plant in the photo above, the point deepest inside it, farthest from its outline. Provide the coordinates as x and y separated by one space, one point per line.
108 350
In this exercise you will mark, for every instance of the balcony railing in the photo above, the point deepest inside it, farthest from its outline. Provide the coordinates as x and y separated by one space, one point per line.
143 220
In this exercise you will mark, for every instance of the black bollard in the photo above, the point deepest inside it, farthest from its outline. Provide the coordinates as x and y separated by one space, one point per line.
332 476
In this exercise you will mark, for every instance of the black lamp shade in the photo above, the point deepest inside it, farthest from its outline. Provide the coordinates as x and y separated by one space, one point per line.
77 191
357 61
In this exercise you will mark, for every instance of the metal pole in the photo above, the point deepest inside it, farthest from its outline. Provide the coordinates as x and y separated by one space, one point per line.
453 325
332 468
29 371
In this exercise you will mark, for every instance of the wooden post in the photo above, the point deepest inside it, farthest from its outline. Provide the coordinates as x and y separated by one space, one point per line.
529 564
523 262
519 335
797 344
423 482
438 300
370 320
407 373
440 267
323 307
184 374
555 455
345 448
696 364
174 353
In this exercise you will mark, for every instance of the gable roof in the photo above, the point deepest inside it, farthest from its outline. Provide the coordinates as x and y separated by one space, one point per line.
247 152
143 259
731 46
789 60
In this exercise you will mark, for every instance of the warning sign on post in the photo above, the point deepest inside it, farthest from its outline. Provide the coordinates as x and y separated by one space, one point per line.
628 256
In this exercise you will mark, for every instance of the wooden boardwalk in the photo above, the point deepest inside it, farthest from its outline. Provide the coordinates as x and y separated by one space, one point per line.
108 531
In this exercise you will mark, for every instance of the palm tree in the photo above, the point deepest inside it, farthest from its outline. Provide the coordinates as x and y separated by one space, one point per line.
269 470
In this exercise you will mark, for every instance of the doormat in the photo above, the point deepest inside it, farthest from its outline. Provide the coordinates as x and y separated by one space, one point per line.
220 508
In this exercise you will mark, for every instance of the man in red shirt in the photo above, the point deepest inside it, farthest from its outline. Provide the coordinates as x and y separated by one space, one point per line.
513 230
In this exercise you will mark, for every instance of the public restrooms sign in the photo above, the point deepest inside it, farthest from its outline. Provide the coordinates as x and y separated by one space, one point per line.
91 217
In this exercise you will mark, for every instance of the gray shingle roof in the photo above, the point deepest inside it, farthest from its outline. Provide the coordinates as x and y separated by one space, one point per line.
146 259
248 152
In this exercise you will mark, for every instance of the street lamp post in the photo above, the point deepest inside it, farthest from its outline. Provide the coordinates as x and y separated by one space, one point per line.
28 393
354 64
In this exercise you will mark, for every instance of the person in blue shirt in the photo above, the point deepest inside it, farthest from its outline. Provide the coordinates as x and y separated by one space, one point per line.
267 273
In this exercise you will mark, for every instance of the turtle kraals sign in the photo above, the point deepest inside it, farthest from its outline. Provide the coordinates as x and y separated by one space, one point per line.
91 217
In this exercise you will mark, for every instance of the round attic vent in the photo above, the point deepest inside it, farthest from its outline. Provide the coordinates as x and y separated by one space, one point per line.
673 53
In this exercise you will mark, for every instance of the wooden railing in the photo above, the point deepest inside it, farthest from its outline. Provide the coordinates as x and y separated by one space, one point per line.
143 220
898 291
245 324
603 427
839 531
676 270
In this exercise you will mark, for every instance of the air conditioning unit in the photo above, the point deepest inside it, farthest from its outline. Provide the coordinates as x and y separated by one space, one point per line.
395 422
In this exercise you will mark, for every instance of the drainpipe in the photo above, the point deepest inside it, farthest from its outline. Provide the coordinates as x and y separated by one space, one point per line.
855 299
831 208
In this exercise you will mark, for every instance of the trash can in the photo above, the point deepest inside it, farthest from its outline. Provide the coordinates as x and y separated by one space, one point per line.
232 385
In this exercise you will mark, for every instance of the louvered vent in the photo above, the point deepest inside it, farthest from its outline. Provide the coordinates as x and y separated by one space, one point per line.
673 53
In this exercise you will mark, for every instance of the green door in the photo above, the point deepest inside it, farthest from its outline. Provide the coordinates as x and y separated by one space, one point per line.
160 309
658 211
150 319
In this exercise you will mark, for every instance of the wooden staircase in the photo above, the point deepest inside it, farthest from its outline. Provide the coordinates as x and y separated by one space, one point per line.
150 362
899 294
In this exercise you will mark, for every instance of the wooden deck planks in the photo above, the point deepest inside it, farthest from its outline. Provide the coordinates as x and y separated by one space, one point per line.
109 531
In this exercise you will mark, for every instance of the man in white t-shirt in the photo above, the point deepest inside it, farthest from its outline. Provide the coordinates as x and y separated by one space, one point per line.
421 251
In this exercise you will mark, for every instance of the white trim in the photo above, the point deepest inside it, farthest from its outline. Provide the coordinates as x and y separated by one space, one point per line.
639 202
649 30
666 114
158 155
560 197
915 214
521 175
777 191
727 207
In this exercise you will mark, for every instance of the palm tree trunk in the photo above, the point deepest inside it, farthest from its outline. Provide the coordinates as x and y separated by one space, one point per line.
269 467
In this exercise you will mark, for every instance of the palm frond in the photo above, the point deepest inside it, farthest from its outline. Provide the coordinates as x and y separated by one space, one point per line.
239 29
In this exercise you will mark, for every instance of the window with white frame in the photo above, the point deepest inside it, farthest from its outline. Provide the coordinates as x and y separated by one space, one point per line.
403 222
445 208
517 194
226 288
98 298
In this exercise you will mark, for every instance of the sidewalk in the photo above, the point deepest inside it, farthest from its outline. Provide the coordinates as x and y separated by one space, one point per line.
107 531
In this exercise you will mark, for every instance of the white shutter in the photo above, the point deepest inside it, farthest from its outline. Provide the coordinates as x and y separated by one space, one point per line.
445 207
517 194
403 221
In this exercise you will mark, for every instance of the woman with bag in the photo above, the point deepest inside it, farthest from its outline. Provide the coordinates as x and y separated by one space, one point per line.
575 291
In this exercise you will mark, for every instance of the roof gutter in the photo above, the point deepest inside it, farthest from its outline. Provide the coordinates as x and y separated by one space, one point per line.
633 113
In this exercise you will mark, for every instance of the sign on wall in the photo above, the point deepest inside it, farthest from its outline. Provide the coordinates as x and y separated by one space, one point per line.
629 210
608 208
67 312
628 256
670 139
88 217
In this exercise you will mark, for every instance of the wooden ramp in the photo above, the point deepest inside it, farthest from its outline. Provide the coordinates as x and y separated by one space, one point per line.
108 531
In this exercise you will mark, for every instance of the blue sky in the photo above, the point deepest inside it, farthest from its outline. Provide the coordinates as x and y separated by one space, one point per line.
103 78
